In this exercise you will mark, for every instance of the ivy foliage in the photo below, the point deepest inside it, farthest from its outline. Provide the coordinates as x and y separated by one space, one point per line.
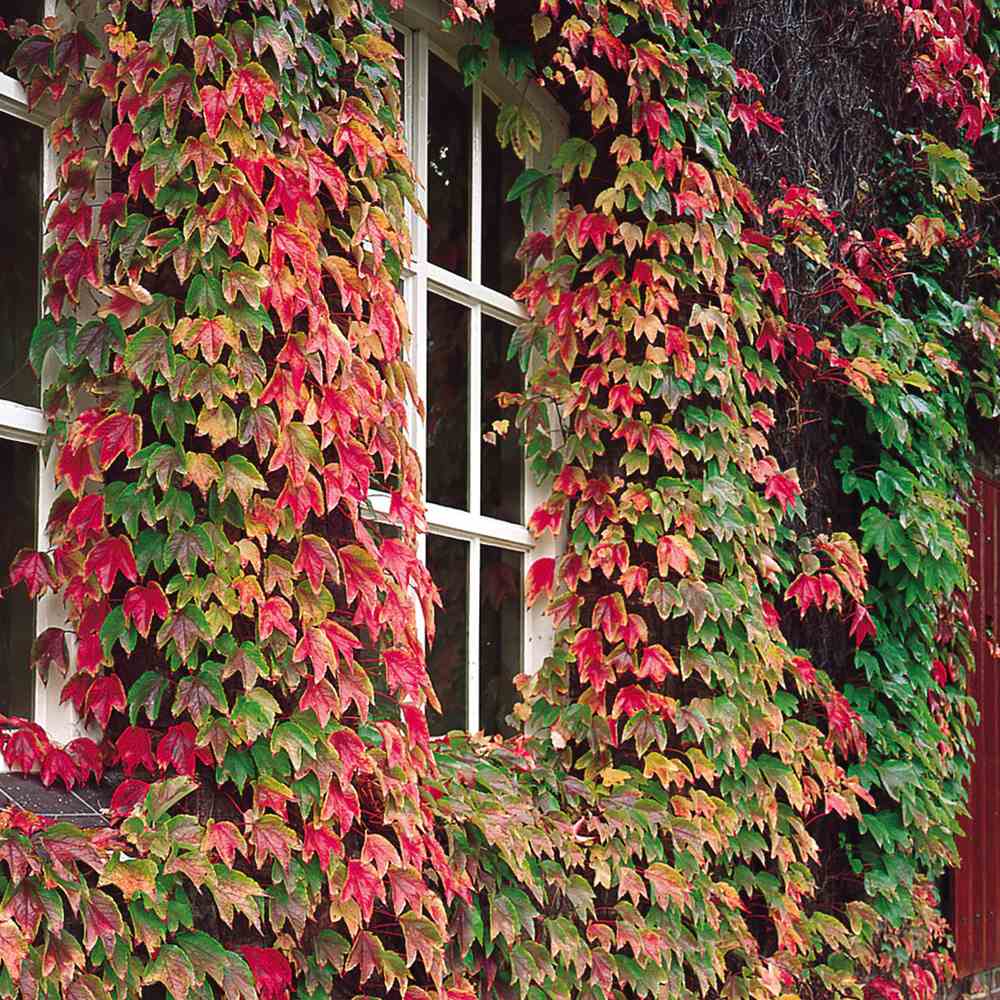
231 386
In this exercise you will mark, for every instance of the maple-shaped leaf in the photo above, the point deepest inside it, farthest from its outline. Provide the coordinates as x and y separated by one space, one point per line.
134 748
591 663
25 748
34 570
102 920
178 751
75 466
673 552
176 86
241 477
296 451
316 560
275 614
362 575
656 664
363 885
271 972
271 838
49 650
76 263
110 557
106 695
59 765
207 336
142 604
322 699
225 839
185 628
862 625
86 518
541 579
322 842
784 487
254 85
13 948
88 757
120 433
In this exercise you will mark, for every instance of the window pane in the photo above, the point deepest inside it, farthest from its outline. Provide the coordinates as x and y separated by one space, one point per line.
447 403
30 10
502 481
18 518
502 227
449 162
500 645
448 658
20 255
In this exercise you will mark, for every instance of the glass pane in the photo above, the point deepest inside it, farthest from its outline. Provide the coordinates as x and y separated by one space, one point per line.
502 227
30 10
20 255
447 402
448 658
502 476
449 164
18 520
500 642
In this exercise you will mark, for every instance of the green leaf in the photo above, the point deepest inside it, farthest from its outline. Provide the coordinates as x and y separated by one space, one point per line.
171 27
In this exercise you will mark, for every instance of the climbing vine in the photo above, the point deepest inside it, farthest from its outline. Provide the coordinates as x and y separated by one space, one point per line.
702 800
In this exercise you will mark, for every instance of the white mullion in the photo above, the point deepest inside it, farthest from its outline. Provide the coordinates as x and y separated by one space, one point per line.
476 222
460 289
475 409
472 690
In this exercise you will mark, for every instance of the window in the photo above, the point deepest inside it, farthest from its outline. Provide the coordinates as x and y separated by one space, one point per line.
25 169
458 290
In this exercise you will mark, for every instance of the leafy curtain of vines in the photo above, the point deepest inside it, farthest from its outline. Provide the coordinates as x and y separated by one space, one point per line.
230 385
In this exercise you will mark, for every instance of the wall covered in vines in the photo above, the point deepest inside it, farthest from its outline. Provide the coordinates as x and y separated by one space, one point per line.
758 361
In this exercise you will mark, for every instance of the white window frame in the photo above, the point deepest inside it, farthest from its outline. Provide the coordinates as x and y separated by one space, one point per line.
420 27
27 425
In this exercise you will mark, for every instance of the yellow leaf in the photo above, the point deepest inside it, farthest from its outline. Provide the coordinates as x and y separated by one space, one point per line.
611 777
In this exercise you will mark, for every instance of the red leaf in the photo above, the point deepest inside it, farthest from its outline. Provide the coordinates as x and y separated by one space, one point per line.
362 575
214 105
322 699
225 839
86 519
134 748
323 842
541 578
177 750
105 696
77 263
117 434
88 758
255 86
59 764
845 726
271 971
127 795
142 604
657 664
363 886
783 488
67 220
862 625
591 664
25 749
109 558
76 466
276 615
35 570
315 558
